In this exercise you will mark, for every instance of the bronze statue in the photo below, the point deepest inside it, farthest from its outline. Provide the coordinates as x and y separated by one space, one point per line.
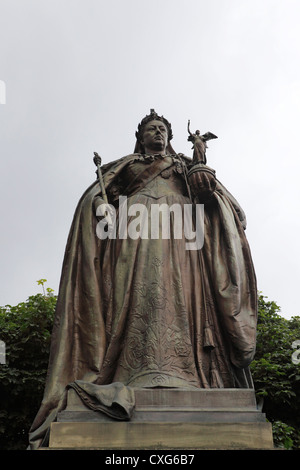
145 311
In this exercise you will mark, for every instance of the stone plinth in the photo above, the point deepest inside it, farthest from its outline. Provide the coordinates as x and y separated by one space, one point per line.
168 419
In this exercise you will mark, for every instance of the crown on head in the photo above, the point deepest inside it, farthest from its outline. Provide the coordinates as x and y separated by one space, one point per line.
151 117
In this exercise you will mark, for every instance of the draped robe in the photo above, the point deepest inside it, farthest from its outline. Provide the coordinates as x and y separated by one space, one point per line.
147 312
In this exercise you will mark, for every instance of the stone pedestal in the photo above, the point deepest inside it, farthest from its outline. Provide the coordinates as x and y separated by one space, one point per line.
168 419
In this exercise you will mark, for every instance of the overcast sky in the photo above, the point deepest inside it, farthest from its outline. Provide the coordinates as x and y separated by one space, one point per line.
81 74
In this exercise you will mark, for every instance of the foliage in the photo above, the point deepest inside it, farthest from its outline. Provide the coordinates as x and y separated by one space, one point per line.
25 329
276 377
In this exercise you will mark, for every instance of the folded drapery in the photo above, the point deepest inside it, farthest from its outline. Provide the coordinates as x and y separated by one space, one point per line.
115 400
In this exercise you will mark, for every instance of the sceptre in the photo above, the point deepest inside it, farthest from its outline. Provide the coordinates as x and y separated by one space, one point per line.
109 216
97 161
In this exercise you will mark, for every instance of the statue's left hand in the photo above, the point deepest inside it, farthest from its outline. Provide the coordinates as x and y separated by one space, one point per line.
203 184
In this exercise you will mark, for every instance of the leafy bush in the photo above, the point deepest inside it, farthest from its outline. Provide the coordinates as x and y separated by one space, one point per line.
25 329
276 377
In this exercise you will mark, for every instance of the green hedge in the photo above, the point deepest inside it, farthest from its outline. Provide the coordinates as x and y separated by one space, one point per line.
26 330
276 376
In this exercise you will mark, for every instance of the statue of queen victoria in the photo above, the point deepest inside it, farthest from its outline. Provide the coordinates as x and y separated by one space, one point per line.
145 311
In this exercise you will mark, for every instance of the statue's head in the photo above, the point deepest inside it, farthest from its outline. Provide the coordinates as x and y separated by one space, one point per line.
153 116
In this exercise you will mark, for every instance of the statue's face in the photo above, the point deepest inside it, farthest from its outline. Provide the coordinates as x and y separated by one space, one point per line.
155 137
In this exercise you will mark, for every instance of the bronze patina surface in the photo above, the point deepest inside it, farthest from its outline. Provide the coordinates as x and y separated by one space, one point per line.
147 312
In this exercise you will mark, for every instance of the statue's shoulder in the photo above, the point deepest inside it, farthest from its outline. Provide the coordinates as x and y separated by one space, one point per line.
109 171
120 162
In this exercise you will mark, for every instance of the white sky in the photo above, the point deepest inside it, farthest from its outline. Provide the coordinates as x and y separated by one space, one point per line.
81 74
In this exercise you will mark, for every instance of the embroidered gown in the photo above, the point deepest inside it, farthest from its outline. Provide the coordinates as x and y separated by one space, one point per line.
147 312
161 321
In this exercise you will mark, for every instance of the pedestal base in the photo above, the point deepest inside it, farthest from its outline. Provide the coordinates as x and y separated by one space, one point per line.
168 419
